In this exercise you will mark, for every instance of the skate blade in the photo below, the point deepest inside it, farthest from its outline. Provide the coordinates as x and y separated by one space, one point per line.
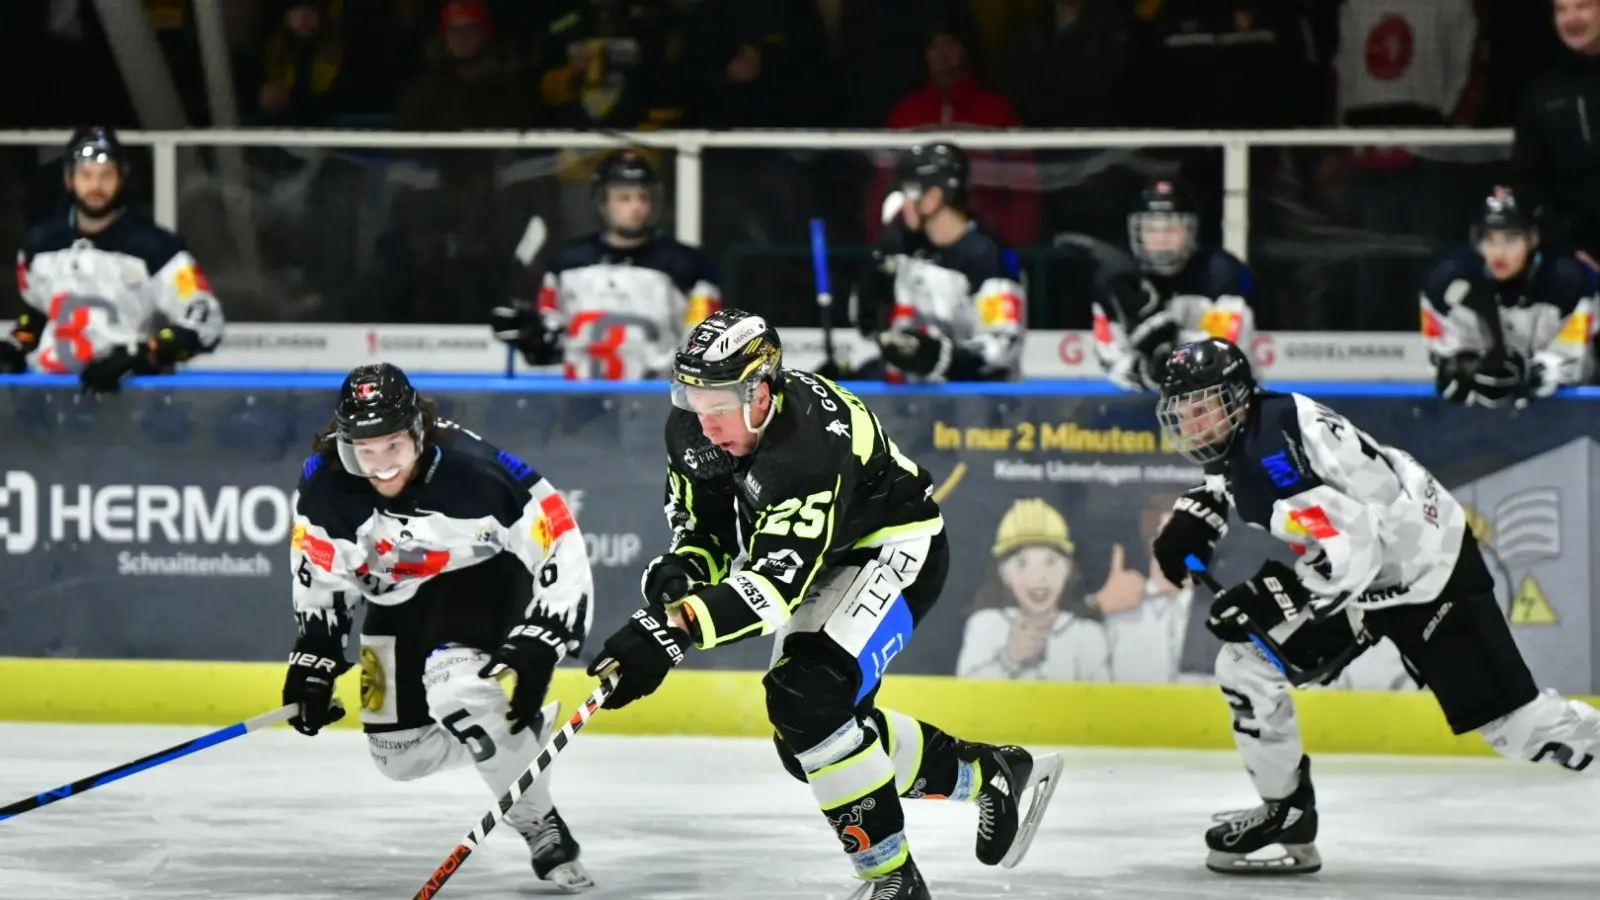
567 878
1042 786
1297 859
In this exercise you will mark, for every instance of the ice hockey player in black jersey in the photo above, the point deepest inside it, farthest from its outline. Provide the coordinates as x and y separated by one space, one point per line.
847 553
942 298
108 293
1171 292
1383 551
1505 322
616 304
472 568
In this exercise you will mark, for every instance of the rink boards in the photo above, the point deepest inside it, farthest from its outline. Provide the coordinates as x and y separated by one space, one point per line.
732 704
169 550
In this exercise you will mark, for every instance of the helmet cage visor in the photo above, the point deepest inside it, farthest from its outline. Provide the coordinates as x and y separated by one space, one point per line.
1162 241
1201 423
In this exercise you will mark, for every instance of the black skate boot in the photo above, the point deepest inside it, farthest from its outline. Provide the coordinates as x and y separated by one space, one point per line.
904 883
1290 823
1008 775
555 854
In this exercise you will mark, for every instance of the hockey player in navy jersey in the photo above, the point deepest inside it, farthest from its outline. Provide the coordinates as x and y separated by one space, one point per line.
108 292
614 305
943 298
472 568
1381 548
1505 322
1171 292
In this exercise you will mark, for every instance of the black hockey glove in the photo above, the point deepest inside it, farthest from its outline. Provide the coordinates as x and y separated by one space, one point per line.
1199 521
532 651
916 354
537 334
169 347
670 576
13 356
314 667
23 340
1153 341
1493 379
644 651
1267 599
104 375
873 300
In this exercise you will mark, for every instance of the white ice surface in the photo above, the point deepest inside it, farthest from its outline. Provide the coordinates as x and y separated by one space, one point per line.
277 815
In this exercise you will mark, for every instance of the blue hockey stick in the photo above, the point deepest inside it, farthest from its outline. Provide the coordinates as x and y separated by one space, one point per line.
118 773
1198 570
819 269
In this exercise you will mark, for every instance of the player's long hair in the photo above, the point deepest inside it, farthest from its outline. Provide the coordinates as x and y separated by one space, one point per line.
328 436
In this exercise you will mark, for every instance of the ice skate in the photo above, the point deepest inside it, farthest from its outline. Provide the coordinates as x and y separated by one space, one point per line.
1010 775
904 883
555 850
1290 823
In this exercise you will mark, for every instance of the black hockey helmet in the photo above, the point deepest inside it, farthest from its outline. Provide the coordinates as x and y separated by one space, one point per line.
1502 212
731 350
1163 226
94 144
375 400
1206 388
942 165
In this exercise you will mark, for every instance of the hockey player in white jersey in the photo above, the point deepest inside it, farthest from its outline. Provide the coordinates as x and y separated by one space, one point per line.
1170 293
1383 551
615 304
1505 322
472 568
943 298
108 292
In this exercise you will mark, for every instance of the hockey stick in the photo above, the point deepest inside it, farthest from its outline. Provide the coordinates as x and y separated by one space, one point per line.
1268 645
161 757
819 268
533 238
495 816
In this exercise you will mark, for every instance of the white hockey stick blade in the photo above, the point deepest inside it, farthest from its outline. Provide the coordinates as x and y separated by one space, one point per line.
533 238
1041 786
891 206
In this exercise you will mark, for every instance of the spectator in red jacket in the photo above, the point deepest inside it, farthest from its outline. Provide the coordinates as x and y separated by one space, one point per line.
1005 185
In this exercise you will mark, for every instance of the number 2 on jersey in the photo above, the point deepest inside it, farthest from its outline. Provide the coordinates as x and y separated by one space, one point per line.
813 514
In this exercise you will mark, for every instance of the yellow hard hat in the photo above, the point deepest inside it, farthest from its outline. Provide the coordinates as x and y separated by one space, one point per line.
1031 522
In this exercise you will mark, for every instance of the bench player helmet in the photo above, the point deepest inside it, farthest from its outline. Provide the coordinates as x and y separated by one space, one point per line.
626 168
1502 212
95 144
942 165
376 401
1162 228
732 351
1206 389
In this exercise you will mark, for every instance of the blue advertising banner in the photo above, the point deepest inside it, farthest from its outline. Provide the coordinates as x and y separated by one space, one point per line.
155 524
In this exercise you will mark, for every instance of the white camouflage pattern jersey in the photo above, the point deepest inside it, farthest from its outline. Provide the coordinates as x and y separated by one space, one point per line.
470 503
971 291
113 288
627 310
1371 526
1546 314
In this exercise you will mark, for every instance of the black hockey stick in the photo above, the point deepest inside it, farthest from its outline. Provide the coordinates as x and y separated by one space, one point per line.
1268 645
533 238
514 793
161 757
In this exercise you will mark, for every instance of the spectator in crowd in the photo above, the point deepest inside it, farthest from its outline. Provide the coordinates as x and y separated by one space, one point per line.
878 52
1069 66
472 82
754 65
301 64
1400 64
1556 155
1244 64
607 64
1005 187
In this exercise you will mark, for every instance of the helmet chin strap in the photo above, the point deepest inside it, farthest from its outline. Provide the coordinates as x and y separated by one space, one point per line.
756 430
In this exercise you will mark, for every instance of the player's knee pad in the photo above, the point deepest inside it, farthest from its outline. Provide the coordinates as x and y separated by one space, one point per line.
410 753
811 704
471 709
1548 729
786 756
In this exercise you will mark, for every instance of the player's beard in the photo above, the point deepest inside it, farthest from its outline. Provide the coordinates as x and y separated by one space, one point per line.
99 210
